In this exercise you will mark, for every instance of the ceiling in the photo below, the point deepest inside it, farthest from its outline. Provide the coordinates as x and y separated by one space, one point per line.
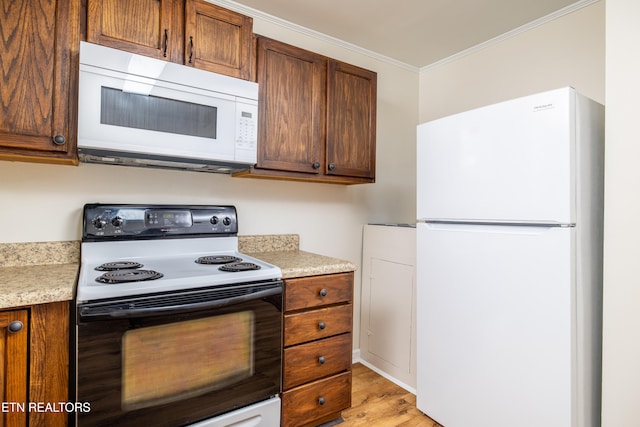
414 32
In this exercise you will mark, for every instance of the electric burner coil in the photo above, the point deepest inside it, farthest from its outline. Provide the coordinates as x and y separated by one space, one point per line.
126 276
217 259
235 267
118 265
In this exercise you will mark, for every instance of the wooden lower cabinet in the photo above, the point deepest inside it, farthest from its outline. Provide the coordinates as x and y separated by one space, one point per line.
13 365
318 327
35 364
318 402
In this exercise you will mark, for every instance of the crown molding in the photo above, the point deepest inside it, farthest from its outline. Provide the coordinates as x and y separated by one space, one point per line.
254 13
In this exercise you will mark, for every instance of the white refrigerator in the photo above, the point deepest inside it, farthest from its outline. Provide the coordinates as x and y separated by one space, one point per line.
509 263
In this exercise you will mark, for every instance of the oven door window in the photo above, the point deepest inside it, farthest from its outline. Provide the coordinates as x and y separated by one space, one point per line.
176 361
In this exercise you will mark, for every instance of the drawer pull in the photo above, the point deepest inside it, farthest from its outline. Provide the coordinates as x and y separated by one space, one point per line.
322 325
323 292
321 401
15 326
322 360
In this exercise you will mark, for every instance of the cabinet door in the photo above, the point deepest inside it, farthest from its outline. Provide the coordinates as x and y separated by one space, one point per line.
218 39
351 121
37 84
145 27
291 109
13 366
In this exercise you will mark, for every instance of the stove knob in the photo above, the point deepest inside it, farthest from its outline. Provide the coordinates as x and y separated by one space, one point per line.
99 223
226 221
214 220
117 221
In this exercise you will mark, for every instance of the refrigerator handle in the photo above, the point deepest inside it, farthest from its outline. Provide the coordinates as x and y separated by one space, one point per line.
493 227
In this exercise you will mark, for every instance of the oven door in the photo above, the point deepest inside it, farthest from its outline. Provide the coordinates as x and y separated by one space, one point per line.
173 359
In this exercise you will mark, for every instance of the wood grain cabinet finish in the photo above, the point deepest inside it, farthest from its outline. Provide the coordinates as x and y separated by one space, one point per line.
317 402
35 363
317 117
318 329
14 333
351 121
316 324
145 27
218 40
307 362
291 108
38 81
316 291
190 32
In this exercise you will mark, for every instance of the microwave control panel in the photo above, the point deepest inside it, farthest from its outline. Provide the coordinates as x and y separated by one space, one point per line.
246 132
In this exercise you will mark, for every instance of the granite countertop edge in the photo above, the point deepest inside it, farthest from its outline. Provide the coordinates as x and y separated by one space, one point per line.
297 263
45 272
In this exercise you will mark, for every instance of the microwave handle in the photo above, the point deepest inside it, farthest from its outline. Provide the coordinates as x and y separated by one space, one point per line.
88 313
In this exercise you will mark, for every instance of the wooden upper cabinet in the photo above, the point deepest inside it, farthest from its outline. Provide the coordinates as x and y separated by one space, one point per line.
351 121
145 27
189 32
14 359
316 117
37 85
217 39
291 111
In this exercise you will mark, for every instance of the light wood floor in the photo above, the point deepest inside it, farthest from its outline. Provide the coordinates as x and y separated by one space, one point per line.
377 402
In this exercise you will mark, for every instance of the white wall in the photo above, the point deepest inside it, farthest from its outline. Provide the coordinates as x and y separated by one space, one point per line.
621 364
568 51
40 202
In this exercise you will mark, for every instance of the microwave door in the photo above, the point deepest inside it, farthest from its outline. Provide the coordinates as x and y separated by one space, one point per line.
134 114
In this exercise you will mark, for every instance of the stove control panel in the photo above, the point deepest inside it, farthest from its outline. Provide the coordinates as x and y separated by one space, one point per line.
128 222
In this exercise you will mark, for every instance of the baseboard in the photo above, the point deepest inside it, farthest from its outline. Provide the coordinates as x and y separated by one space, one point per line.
357 359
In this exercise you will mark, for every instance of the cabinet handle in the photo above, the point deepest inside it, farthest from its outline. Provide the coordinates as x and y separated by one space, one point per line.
166 42
321 401
15 326
332 166
323 292
316 165
322 325
322 360
190 49
59 139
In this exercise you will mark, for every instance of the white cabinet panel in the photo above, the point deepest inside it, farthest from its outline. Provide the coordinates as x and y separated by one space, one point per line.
390 293
387 339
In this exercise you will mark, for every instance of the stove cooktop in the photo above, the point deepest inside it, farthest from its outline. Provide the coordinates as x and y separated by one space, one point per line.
177 272
153 249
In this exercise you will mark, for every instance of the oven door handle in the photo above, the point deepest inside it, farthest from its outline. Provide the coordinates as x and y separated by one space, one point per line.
90 312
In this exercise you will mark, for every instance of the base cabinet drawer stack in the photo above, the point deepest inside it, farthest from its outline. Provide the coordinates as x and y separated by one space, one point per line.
317 349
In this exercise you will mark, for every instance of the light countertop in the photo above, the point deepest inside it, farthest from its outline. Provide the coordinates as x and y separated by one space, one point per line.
37 284
44 272
300 263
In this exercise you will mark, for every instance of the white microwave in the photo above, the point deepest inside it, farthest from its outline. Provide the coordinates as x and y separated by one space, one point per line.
140 111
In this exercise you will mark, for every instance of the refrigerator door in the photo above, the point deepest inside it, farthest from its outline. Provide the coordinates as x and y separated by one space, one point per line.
510 161
495 320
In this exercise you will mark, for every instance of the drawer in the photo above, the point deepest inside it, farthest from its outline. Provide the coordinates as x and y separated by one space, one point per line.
316 324
316 400
314 291
314 360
